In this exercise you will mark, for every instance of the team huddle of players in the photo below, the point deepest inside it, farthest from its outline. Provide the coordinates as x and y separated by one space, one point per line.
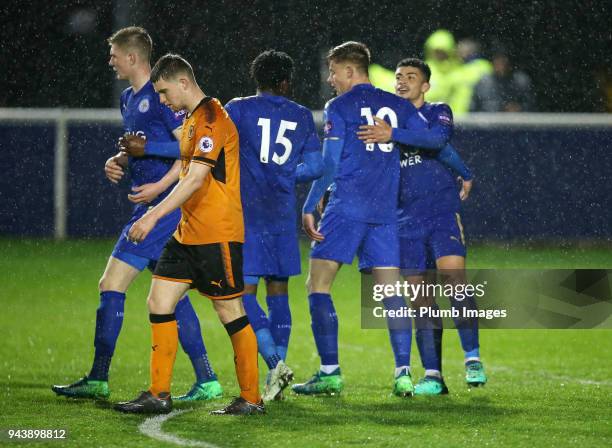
388 170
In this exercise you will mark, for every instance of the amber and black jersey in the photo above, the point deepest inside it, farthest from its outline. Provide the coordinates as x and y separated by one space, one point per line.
213 214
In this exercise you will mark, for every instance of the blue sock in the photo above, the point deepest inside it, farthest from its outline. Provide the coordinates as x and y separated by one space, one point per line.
261 326
429 340
467 327
190 336
324 327
109 318
400 332
279 315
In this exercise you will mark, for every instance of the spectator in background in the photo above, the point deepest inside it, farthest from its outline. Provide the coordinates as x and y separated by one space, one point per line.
505 90
603 96
467 75
441 56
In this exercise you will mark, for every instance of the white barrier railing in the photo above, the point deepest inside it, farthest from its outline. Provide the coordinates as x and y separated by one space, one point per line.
61 117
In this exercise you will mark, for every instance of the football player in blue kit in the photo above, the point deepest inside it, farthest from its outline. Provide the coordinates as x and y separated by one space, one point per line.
278 147
431 233
151 131
360 218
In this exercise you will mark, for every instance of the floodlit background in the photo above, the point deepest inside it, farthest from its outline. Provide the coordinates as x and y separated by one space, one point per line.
542 199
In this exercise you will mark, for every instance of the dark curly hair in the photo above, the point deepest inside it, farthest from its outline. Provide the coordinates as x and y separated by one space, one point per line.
271 68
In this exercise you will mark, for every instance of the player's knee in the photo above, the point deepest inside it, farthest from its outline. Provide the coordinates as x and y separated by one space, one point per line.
450 263
229 310
101 284
314 284
277 288
105 284
157 306
112 282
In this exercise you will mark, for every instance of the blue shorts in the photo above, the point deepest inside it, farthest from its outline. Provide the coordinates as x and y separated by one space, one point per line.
254 279
423 243
271 254
376 245
145 253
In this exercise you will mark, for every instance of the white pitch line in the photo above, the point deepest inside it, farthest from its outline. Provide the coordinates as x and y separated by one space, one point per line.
152 427
501 368
553 376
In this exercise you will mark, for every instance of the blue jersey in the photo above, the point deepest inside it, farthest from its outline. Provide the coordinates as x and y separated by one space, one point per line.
367 177
274 134
427 187
144 115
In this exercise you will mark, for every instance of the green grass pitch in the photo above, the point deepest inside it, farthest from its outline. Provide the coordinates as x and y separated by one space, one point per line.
546 388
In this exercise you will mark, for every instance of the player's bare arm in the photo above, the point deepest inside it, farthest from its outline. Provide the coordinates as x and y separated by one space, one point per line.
466 187
177 197
380 132
114 168
135 145
148 192
309 226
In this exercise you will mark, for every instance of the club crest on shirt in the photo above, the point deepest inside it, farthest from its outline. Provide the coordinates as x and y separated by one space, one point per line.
445 119
205 144
190 133
143 106
327 127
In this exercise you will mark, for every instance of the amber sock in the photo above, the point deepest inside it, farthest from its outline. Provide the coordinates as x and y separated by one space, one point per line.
164 337
245 357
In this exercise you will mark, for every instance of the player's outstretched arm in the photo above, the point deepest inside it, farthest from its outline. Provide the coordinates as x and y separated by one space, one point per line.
177 197
466 187
114 168
138 146
451 158
311 167
380 132
332 149
148 192
431 137
169 150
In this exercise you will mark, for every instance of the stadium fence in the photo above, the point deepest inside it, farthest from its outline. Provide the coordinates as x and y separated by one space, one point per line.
537 176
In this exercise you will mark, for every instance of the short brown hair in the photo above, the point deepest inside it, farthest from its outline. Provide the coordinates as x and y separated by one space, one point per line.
353 52
169 66
134 38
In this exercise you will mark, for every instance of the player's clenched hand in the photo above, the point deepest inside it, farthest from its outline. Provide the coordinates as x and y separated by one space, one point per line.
308 224
113 170
379 133
145 193
141 228
466 187
133 145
